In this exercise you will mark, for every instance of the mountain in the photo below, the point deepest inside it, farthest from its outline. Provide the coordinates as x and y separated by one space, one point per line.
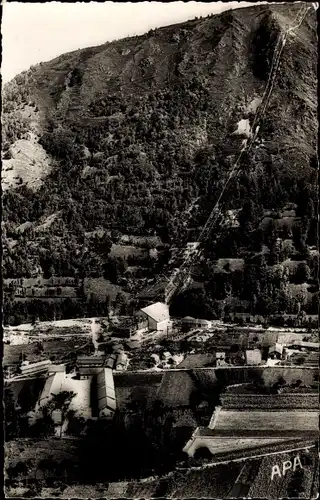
113 156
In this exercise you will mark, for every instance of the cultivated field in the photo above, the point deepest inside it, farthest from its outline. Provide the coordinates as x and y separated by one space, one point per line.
56 350
264 422
256 401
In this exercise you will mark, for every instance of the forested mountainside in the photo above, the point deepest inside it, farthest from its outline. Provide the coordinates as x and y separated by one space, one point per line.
115 155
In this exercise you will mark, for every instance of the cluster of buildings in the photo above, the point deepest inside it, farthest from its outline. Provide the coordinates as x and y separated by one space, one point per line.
94 397
92 384
153 319
294 352
91 365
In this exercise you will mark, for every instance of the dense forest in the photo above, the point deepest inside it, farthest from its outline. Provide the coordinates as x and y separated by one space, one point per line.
141 134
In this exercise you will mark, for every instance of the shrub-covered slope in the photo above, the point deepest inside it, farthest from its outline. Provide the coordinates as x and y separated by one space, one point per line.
136 137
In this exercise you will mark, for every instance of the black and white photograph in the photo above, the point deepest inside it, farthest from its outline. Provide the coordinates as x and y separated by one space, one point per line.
160 250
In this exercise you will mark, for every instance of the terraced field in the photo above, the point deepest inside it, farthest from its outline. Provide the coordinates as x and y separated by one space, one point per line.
281 485
289 401
263 422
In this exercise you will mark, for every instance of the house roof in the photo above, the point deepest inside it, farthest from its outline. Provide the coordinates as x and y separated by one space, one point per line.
122 358
158 311
57 368
90 360
105 390
38 364
276 348
254 353
89 370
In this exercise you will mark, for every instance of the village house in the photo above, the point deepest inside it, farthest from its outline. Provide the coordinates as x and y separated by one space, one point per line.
253 357
157 316
220 358
122 361
190 322
52 387
131 326
89 365
30 369
276 351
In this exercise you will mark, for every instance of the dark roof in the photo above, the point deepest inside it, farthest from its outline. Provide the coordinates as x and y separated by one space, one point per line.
89 370
90 360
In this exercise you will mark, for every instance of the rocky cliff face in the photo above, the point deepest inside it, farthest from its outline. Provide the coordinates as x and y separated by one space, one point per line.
131 134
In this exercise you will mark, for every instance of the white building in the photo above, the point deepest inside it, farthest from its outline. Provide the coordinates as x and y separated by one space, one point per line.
158 316
220 358
122 361
253 357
